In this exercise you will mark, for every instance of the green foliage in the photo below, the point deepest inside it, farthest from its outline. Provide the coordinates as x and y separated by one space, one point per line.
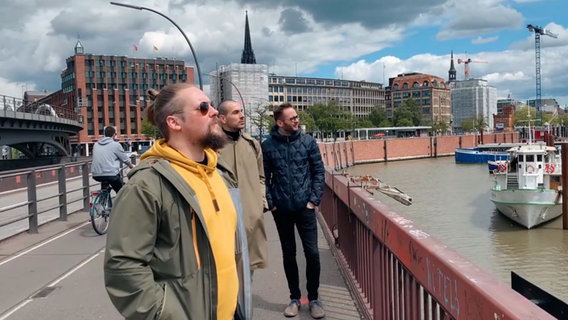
149 130
521 116
440 127
408 114
307 120
330 118
262 118
365 123
473 124
377 116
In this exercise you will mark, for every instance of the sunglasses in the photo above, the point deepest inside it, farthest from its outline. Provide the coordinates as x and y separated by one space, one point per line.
204 107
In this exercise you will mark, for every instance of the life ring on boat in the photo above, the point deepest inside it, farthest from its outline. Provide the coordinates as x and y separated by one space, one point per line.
530 168
549 168
502 167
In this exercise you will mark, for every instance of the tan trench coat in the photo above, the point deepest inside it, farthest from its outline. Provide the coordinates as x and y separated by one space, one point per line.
244 158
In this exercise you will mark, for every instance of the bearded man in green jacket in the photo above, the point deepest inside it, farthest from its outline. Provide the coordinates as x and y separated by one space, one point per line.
167 254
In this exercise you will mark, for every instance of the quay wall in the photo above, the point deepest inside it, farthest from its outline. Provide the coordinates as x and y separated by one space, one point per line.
342 154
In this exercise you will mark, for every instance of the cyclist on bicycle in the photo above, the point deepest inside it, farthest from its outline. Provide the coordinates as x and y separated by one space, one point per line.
108 157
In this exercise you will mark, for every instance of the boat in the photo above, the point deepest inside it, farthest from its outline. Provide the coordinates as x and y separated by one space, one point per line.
484 152
527 189
500 165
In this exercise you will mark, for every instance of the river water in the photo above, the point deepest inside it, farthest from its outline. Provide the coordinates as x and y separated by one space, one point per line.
451 202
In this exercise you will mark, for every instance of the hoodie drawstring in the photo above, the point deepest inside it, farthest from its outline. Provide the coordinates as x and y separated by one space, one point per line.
209 187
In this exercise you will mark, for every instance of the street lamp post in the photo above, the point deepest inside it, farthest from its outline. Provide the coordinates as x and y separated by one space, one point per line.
175 24
236 88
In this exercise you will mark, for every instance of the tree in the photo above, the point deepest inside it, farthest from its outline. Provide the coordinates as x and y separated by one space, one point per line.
521 116
440 127
307 120
408 114
149 130
262 118
364 123
473 124
329 118
377 116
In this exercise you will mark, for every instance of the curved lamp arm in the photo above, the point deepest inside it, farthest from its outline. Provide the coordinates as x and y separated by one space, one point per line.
175 24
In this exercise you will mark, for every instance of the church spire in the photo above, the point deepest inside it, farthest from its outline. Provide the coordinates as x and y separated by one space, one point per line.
248 55
452 72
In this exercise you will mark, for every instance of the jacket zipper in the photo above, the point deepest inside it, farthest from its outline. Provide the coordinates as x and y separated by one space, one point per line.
194 237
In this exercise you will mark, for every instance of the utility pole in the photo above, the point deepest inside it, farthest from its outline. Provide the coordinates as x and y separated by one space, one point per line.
538 31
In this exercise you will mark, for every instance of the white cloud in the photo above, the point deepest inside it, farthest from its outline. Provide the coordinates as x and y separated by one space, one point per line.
38 37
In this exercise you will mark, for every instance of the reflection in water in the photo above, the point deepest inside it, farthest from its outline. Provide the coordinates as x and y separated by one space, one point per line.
451 202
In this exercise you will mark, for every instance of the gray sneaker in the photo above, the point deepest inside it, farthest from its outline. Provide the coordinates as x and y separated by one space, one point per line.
316 310
292 308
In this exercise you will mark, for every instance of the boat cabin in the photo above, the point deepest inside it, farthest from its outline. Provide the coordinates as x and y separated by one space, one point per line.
532 166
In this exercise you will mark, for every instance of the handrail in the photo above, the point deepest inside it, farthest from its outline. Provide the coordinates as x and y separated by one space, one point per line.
397 271
55 201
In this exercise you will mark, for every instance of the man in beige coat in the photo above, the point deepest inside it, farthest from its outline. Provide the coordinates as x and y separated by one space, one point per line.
244 156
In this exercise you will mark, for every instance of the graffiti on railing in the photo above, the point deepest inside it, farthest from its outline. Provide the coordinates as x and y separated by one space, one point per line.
443 285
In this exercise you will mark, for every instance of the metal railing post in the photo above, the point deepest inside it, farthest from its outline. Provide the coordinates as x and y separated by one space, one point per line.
61 175
32 202
86 187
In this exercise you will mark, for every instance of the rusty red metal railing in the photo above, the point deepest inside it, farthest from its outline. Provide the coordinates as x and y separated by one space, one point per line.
397 271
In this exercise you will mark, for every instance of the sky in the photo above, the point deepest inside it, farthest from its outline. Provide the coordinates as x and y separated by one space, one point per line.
370 40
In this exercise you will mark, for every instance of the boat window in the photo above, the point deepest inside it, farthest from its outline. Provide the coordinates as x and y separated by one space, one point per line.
521 158
539 157
529 158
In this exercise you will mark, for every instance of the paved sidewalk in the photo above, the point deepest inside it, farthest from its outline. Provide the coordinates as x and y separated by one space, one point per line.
270 292
270 289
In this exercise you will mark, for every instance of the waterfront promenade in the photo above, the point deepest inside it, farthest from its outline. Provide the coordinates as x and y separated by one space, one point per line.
57 274
396 270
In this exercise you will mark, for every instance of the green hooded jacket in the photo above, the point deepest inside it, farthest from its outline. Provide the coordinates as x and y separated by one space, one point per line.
153 273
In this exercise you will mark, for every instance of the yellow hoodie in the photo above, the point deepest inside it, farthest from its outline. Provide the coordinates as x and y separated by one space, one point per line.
218 213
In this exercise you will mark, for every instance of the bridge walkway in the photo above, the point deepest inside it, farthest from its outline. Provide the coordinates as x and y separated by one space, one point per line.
57 274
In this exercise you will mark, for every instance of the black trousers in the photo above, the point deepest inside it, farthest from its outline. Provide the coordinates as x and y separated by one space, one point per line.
114 181
306 223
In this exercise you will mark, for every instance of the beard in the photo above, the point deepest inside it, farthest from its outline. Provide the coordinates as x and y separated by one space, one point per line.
215 139
289 129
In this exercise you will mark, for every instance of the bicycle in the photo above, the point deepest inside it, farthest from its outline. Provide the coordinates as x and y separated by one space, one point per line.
100 207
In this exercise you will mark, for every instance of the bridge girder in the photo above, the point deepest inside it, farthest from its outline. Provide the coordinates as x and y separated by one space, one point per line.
29 132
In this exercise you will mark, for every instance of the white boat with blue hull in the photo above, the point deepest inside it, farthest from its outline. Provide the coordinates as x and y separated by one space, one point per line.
528 190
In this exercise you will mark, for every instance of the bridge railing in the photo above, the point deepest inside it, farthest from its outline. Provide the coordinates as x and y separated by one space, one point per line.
397 271
10 105
53 192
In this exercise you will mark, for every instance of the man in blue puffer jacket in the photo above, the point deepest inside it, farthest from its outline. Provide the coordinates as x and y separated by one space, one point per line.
294 175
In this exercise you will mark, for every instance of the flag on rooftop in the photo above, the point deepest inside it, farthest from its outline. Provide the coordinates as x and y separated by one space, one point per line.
134 47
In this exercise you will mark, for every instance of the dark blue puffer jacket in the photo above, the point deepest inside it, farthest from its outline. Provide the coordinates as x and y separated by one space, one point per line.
293 169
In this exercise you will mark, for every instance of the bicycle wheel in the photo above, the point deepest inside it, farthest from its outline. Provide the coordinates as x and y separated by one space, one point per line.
100 212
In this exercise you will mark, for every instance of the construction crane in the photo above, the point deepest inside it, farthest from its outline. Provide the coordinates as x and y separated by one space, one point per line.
538 31
466 63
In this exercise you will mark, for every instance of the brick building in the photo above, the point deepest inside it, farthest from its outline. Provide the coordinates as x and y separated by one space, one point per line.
431 94
103 90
